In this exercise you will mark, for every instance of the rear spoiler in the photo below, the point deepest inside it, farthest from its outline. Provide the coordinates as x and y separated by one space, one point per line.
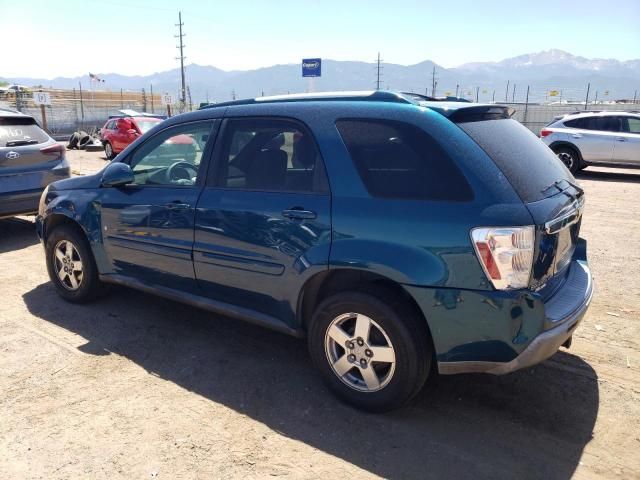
463 112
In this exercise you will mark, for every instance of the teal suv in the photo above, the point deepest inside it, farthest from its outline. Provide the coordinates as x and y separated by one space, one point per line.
403 238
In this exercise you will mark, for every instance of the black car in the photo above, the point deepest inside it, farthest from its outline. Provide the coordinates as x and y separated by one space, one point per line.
29 161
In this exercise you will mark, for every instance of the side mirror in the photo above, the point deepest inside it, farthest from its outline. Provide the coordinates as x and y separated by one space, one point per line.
117 175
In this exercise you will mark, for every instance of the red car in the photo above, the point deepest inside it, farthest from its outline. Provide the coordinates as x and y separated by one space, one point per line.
118 133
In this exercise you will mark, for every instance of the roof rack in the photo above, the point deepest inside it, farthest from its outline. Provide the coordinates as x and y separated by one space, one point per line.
364 96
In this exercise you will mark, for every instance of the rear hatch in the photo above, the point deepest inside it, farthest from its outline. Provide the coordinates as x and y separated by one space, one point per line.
547 188
26 151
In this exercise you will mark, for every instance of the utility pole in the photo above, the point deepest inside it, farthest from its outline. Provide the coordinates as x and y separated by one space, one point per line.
152 105
493 98
477 93
586 100
457 87
378 72
635 94
433 82
506 93
180 36
189 96
513 99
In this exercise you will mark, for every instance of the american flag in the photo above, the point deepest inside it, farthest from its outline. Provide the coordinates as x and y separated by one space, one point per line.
95 78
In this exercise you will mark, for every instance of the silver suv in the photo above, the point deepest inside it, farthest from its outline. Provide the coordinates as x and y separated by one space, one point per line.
609 139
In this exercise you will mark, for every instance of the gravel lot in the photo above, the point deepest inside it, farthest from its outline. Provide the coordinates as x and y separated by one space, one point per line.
134 386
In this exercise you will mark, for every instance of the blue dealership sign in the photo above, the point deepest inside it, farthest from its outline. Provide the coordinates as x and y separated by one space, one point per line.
311 67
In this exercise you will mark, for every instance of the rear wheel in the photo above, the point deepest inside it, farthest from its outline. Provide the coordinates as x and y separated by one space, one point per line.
108 150
570 158
71 266
370 350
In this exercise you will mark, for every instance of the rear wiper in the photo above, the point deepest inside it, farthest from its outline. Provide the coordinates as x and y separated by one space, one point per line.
18 143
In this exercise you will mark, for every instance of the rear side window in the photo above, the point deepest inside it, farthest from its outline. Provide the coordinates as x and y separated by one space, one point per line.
603 124
529 165
397 160
15 132
575 123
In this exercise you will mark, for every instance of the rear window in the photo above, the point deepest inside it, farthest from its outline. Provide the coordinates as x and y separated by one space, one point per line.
397 160
18 131
529 165
146 125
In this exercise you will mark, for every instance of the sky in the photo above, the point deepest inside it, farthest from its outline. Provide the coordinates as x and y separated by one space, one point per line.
47 39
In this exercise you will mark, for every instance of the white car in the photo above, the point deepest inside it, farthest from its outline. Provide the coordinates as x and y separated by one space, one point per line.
609 139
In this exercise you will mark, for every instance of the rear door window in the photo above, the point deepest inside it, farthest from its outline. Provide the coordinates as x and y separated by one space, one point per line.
398 160
275 155
18 131
602 124
528 163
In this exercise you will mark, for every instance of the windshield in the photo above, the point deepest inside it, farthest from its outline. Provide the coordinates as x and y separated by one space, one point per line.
529 165
147 124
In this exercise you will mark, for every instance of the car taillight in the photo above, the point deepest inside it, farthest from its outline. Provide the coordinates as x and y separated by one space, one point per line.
545 132
56 150
506 254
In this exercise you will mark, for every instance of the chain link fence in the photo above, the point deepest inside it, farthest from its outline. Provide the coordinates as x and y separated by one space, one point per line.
536 116
76 109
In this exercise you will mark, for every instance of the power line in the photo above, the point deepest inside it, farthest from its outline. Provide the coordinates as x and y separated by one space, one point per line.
180 36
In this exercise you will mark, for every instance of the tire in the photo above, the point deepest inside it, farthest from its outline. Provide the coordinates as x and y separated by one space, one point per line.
84 141
73 141
108 151
73 245
570 158
405 368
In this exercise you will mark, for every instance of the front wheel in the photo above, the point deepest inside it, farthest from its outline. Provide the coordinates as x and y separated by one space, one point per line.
372 351
71 266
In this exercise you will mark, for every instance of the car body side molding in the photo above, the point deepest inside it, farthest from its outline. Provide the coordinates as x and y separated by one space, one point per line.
205 303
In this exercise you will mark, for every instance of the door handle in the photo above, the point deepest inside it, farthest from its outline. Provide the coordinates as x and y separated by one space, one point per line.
621 139
297 213
177 206
576 135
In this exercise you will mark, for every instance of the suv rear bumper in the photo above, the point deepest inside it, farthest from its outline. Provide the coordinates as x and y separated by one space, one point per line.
565 310
19 203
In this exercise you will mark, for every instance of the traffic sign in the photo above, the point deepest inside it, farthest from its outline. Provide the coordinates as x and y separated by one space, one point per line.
167 99
42 98
311 67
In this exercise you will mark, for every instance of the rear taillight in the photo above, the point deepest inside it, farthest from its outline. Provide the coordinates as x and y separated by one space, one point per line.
56 150
506 254
545 132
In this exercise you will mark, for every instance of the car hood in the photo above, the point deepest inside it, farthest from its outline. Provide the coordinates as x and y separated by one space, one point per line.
76 183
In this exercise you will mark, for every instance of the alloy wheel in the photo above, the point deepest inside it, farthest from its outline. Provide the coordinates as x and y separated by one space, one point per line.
68 265
567 159
360 352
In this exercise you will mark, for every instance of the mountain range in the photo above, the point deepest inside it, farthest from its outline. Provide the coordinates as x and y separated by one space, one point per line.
542 72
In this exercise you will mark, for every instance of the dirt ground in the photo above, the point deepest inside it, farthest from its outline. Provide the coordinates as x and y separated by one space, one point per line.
134 386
